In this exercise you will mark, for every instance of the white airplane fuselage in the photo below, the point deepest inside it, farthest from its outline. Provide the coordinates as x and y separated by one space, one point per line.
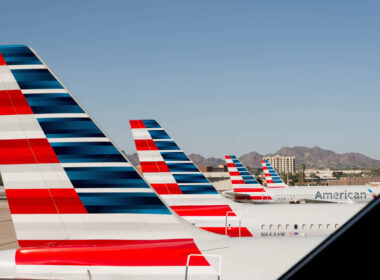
336 194
290 232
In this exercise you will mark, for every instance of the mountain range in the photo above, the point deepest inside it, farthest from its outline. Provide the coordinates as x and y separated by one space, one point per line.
315 157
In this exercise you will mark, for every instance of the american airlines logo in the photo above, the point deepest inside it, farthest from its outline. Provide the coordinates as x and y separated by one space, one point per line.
340 195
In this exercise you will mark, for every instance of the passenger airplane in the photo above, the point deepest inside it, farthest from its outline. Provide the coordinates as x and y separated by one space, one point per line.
81 211
246 188
188 193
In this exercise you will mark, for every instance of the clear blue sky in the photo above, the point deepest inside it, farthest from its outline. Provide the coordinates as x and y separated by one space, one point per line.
221 76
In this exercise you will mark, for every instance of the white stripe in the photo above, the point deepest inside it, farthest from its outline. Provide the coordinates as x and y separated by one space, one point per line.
76 115
79 139
20 127
149 156
90 226
116 272
111 190
36 91
31 66
184 199
38 176
95 164
7 81
191 184
236 178
94 218
141 134
157 128
159 178
186 173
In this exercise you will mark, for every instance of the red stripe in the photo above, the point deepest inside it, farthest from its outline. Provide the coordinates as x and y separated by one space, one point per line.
154 166
167 188
228 157
137 124
248 190
234 173
13 102
230 165
44 201
26 151
265 168
171 252
270 182
2 60
231 231
237 182
145 145
203 210
261 197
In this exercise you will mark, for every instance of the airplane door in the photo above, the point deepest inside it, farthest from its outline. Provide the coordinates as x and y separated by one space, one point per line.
233 224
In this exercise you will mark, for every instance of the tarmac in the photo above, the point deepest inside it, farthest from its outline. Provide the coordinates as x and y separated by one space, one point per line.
7 233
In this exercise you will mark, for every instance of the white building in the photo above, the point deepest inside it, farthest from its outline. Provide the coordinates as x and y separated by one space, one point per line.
282 164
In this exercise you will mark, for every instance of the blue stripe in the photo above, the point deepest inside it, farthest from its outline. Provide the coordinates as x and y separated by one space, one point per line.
198 189
174 156
277 181
47 103
87 152
35 79
166 145
190 178
105 177
182 167
143 203
18 55
158 134
151 124
69 127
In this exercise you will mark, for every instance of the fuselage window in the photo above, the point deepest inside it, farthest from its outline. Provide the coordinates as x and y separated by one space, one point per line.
279 227
288 227
295 226
328 226
311 226
303 226
320 226
262 227
271 227
336 225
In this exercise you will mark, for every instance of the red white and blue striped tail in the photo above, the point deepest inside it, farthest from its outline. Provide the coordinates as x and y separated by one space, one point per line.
179 182
243 181
271 176
75 200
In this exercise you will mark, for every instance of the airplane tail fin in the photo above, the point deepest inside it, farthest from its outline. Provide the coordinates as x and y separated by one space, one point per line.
67 184
241 179
178 181
243 182
272 178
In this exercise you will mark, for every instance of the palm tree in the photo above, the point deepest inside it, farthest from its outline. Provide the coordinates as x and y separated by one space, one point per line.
303 166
